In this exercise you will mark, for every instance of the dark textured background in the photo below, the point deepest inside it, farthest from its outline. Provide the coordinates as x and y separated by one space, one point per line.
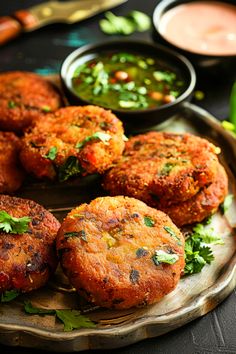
43 51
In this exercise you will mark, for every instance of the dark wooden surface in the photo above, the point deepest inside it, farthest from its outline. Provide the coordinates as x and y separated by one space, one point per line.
43 51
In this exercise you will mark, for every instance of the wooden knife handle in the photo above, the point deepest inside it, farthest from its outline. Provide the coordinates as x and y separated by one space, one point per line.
9 29
27 19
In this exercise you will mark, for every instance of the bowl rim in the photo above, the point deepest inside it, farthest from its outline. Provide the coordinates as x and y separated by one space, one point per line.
113 43
166 5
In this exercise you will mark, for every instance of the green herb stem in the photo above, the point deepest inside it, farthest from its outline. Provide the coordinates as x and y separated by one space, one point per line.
232 105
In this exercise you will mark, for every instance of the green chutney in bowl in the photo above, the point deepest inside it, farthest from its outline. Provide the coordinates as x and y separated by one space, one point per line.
142 83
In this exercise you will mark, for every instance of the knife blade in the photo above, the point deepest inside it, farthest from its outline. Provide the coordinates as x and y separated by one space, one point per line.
51 12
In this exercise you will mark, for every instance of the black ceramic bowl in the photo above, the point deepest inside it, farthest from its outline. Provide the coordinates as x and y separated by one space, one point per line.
138 118
206 64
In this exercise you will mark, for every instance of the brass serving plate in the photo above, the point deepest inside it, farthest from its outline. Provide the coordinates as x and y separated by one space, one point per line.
195 295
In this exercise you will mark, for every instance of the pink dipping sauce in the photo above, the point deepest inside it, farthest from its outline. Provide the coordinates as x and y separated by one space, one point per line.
205 27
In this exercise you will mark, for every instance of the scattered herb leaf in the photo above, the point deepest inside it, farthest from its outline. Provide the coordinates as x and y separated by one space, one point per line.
141 20
71 234
11 104
52 153
46 109
72 319
173 234
29 308
80 234
149 221
166 169
226 203
104 137
161 256
9 295
134 21
13 225
70 168
117 24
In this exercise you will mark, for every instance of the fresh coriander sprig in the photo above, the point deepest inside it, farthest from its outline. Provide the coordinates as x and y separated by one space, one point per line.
72 319
197 254
13 225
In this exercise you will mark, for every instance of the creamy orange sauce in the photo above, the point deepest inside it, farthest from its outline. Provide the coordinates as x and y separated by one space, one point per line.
205 27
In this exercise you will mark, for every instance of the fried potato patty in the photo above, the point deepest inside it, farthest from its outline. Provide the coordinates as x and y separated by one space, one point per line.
169 167
109 251
27 260
11 173
24 97
203 204
73 141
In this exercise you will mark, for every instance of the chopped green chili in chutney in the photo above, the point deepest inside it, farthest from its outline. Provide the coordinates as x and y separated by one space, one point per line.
126 81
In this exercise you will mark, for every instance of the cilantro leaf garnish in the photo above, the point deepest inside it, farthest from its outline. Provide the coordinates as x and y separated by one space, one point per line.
9 295
172 234
46 109
113 24
166 169
72 319
81 234
141 20
226 203
29 308
11 104
13 225
104 137
134 21
148 221
69 169
197 254
52 153
161 256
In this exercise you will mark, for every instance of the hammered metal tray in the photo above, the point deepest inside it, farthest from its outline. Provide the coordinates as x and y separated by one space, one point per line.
194 296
